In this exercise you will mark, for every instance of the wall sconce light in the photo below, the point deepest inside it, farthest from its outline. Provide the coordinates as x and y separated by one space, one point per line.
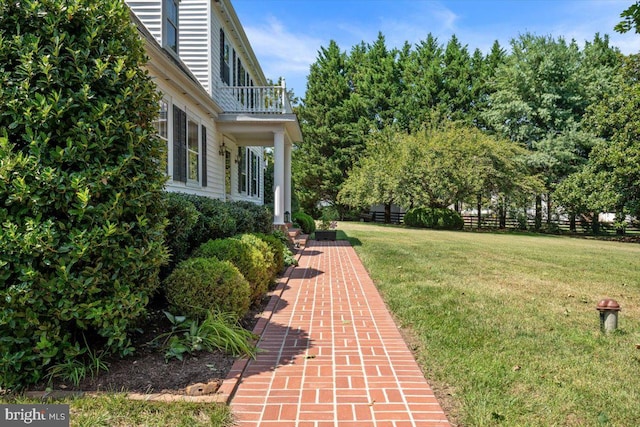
222 149
237 159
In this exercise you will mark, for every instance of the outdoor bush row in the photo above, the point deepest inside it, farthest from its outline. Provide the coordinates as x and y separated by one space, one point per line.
227 275
194 220
437 218
83 216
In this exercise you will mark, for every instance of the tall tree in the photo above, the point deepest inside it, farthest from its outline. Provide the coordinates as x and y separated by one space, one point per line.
455 95
322 159
423 82
539 101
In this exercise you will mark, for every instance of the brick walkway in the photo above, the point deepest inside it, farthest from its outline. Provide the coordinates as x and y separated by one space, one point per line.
332 355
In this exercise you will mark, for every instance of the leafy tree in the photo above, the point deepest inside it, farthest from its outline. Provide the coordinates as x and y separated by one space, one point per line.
81 209
369 183
542 92
436 167
631 19
616 118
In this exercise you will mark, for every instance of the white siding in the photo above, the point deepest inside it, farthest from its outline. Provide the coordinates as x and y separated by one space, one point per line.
215 162
194 39
150 13
215 54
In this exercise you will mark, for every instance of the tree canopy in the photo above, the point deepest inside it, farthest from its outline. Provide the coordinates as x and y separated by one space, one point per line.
375 139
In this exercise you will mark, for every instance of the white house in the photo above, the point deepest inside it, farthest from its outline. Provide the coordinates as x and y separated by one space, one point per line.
218 112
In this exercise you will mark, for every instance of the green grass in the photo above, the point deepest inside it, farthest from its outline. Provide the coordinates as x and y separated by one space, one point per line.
115 410
505 325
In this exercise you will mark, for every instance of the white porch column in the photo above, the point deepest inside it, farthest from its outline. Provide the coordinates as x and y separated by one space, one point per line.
287 179
278 177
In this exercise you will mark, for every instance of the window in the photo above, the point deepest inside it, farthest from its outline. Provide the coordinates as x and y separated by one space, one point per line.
189 149
227 172
171 24
225 68
193 150
162 127
254 174
242 170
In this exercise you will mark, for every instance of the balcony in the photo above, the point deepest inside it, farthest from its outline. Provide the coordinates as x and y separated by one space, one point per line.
254 99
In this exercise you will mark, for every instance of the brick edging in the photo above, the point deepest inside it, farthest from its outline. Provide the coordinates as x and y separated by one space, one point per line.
230 384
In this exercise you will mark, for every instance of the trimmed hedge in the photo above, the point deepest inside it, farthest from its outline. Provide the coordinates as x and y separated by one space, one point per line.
200 285
194 220
81 186
183 216
246 257
277 249
306 222
436 218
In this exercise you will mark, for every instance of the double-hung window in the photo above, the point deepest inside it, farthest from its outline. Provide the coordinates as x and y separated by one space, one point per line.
193 150
162 127
189 149
171 24
225 59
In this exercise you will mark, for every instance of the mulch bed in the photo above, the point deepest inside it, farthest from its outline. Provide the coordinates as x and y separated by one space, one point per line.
147 371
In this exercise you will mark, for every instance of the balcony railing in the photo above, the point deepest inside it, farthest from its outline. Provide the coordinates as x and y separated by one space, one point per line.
255 99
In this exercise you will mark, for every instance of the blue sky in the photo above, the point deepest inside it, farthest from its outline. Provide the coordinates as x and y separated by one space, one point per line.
286 35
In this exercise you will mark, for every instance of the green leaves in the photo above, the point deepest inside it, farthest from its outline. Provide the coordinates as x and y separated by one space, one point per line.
82 218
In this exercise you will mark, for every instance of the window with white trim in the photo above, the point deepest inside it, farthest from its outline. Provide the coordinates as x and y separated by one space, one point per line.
171 24
193 150
162 127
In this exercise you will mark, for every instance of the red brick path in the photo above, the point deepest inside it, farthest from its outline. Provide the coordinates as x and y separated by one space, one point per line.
332 355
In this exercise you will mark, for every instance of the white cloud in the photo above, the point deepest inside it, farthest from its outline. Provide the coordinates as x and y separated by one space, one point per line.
283 53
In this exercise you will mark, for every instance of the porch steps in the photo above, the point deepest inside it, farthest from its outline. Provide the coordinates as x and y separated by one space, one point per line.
296 237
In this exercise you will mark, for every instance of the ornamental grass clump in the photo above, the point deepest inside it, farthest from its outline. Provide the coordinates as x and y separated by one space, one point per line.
81 184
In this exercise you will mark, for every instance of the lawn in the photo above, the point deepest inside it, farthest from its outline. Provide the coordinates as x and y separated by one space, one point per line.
116 410
505 326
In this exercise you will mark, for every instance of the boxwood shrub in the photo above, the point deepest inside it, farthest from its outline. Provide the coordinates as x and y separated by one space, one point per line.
81 186
306 222
277 249
200 285
214 219
260 217
248 258
437 218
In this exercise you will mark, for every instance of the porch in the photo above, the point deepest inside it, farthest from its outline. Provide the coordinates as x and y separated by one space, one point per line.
262 116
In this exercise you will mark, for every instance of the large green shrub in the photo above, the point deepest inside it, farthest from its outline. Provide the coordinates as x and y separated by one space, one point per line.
81 208
259 217
215 221
277 248
306 222
200 285
248 258
183 216
437 218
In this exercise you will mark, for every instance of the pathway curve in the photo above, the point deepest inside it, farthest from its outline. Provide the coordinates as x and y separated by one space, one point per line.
332 355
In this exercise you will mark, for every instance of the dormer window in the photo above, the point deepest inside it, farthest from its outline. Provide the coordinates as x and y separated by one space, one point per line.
171 24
